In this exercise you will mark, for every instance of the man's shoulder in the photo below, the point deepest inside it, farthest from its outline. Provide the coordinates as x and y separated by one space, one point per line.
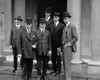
61 24
72 26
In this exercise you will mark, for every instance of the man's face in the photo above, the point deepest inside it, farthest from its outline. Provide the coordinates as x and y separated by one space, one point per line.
56 18
42 25
17 22
47 14
66 20
28 26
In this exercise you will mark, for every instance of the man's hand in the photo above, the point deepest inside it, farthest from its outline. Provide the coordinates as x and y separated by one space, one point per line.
10 46
49 53
19 55
67 44
33 46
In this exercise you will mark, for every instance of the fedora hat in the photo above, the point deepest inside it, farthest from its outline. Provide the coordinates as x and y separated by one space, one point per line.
48 10
56 14
66 14
19 18
28 21
42 20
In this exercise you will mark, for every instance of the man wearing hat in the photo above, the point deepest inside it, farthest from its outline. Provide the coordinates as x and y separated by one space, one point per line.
69 39
13 39
43 48
27 41
48 18
56 35
49 21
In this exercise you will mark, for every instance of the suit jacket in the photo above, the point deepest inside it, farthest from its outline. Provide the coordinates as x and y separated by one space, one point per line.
14 36
43 42
25 42
70 35
56 34
48 23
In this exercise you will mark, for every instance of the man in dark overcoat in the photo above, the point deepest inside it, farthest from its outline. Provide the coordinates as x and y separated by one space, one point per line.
26 41
13 40
56 35
49 21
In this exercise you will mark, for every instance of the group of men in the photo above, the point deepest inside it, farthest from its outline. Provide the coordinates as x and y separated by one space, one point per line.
52 38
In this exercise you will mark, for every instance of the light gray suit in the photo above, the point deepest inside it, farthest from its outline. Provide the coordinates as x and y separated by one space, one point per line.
69 35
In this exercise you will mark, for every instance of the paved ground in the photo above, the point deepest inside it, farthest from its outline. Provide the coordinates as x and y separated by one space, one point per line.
6 74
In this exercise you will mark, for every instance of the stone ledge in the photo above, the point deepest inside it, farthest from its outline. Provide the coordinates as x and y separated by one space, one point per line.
2 59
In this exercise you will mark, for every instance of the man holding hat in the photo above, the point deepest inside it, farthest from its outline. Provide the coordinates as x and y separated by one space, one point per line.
13 40
69 39
43 48
27 41
56 35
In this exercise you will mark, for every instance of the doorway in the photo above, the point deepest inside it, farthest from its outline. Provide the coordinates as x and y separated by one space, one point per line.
56 5
36 8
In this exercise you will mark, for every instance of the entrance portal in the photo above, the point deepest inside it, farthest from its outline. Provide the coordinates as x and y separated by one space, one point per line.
56 5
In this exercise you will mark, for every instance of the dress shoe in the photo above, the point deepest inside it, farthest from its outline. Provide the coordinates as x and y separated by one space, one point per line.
45 78
52 72
57 73
14 70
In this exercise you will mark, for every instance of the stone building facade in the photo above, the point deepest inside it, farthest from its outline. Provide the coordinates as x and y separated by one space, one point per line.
85 16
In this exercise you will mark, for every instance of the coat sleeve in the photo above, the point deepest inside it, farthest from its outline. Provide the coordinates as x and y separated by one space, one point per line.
49 41
19 42
74 36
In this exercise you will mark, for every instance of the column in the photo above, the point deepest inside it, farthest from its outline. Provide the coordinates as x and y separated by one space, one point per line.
8 20
74 8
95 30
19 9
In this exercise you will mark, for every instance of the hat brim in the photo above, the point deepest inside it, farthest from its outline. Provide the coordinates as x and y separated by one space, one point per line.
67 16
18 19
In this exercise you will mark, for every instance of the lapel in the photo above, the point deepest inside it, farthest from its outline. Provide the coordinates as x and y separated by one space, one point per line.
15 30
44 33
67 28
57 27
39 31
28 35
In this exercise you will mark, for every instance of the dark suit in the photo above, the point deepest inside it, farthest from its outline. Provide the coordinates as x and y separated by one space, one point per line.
25 42
48 23
43 46
56 34
13 42
69 35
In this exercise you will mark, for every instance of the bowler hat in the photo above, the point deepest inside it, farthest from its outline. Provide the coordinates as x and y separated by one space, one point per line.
66 14
28 21
56 14
42 20
19 18
48 10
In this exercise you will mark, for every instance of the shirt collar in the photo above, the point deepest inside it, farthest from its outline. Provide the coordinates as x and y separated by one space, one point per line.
47 18
68 23
57 23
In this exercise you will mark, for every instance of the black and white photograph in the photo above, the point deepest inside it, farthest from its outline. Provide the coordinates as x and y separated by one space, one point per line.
49 40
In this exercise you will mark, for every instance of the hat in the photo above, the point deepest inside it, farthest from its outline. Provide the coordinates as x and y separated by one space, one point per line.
66 14
19 18
56 14
42 20
48 10
28 21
